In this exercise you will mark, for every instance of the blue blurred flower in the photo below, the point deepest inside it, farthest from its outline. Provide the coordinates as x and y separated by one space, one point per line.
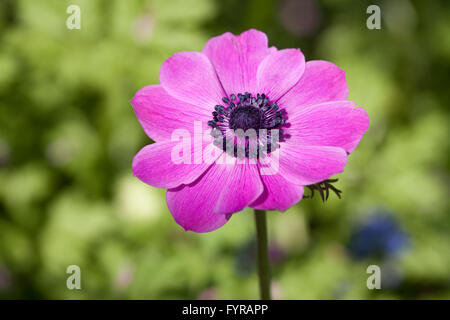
5 279
379 236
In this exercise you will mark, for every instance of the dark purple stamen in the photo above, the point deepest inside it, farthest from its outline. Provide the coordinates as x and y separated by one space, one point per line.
245 117
244 113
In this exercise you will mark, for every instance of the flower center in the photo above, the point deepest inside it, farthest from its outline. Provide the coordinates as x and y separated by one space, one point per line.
255 116
245 117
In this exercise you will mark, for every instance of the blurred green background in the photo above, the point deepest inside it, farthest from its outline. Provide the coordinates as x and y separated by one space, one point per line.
68 135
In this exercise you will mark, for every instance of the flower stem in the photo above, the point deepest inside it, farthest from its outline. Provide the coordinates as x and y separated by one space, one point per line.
262 254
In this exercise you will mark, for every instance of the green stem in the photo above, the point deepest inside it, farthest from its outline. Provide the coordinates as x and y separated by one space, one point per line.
262 256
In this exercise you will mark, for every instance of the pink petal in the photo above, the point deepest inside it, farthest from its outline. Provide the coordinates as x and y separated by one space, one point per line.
278 194
236 59
242 188
190 77
279 72
155 166
336 124
207 204
193 212
322 81
305 165
160 114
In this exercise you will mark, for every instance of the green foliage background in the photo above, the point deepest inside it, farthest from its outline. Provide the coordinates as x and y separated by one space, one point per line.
68 135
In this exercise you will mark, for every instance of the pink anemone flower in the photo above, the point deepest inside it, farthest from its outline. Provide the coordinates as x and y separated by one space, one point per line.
238 82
